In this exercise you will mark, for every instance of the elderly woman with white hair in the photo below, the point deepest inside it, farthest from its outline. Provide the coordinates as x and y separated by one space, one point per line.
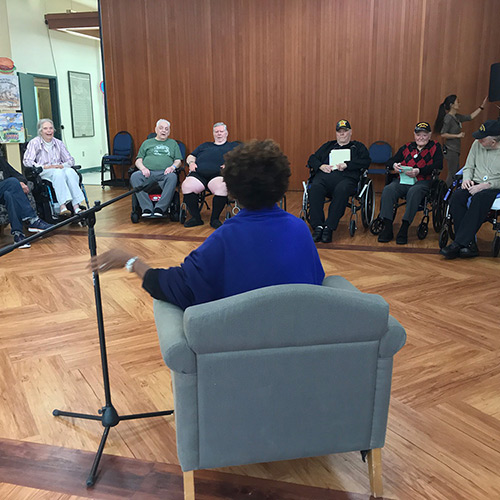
51 154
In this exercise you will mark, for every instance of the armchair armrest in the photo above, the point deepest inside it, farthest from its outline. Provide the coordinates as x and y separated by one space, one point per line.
175 350
393 340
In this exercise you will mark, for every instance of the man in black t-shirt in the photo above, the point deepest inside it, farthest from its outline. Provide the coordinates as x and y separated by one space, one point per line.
205 164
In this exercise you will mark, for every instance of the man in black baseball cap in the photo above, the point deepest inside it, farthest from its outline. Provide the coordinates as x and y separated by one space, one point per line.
480 185
335 171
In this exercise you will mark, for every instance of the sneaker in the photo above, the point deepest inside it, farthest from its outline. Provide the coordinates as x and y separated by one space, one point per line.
193 222
147 213
158 212
215 223
38 226
18 237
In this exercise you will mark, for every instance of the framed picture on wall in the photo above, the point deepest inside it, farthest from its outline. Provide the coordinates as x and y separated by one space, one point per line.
80 98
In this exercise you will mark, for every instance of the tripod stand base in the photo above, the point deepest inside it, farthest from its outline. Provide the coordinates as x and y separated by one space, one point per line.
109 418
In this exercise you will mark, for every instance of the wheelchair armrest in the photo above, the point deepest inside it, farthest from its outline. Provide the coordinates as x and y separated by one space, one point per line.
31 173
76 167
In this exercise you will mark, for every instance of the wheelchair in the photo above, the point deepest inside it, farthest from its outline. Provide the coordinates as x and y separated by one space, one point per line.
362 202
47 205
447 232
154 192
433 203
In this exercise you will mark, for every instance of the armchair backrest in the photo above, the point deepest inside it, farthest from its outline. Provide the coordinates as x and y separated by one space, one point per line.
282 372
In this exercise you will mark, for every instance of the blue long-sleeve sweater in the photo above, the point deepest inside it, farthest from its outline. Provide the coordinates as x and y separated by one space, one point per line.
254 249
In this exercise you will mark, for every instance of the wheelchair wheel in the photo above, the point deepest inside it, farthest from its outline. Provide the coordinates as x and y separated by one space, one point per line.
422 230
352 227
174 208
228 213
182 214
368 205
443 237
377 225
495 247
302 214
134 217
439 206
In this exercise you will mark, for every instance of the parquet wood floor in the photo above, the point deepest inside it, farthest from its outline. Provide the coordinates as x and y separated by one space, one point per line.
443 439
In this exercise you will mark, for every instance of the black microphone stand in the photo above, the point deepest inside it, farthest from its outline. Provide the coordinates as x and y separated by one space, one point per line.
108 416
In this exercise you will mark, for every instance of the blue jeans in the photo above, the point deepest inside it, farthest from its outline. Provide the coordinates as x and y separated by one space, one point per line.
18 206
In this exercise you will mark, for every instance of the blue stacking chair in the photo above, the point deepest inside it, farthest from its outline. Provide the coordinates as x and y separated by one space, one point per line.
123 154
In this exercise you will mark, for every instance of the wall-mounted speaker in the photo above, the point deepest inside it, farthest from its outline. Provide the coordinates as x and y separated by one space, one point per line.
494 93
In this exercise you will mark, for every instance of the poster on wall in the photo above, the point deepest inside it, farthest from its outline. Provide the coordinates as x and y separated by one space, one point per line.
9 93
80 97
11 127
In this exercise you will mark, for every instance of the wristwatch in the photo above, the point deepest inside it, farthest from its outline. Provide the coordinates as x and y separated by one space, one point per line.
129 265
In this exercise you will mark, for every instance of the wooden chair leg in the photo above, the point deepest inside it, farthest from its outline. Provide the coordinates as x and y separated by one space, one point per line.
375 472
189 485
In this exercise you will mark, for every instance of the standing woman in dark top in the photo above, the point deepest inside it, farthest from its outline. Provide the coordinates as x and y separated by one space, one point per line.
449 125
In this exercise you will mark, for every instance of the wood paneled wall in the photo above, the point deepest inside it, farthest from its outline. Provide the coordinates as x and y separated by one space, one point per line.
289 69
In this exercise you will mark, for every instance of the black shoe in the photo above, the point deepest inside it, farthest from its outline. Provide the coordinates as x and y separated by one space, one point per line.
215 223
386 234
158 212
402 236
451 251
192 222
317 234
469 251
147 213
327 235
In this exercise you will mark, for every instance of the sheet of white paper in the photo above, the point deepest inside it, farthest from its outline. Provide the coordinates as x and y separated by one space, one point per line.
339 156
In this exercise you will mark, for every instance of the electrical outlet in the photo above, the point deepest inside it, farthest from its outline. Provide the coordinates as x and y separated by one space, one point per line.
83 153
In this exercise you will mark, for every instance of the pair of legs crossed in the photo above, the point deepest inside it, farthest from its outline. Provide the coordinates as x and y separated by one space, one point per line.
193 185
66 184
468 218
167 185
19 208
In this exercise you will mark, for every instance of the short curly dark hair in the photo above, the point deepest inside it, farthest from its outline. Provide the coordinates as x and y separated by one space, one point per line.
256 174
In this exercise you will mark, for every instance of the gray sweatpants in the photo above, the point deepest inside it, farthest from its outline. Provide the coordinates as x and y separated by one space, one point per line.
167 185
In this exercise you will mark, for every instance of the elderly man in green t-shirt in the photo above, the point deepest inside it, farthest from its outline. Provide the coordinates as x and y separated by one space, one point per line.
157 161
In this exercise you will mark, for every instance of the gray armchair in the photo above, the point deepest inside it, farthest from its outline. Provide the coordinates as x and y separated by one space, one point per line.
279 373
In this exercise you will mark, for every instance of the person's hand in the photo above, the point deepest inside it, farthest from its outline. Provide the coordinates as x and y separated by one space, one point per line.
54 166
25 188
485 101
112 259
326 168
467 184
461 135
413 172
479 187
145 172
397 168
169 170
341 166
192 166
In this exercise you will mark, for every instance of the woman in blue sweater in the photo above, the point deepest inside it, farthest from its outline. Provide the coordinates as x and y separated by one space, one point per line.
260 246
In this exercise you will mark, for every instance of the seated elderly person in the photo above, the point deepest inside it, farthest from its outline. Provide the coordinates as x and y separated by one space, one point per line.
470 205
339 180
414 162
205 164
157 160
51 154
13 191
260 246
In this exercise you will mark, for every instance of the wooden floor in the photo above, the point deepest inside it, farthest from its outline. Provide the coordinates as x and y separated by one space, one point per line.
443 439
